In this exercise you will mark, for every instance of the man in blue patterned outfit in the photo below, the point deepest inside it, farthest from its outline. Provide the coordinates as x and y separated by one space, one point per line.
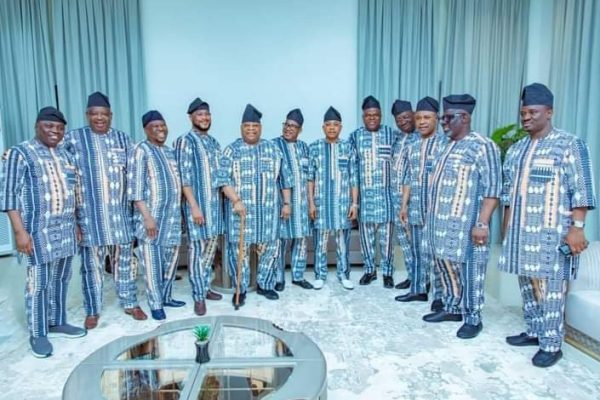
332 182
252 173
547 190
465 187
100 154
39 196
420 160
373 145
405 121
198 159
295 229
155 189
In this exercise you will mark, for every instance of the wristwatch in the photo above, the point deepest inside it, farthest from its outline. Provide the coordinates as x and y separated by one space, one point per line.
285 203
481 225
578 224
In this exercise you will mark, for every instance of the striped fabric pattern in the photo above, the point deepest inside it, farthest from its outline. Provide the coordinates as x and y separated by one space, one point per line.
42 183
198 160
101 159
373 151
467 171
332 169
544 180
257 173
295 156
154 178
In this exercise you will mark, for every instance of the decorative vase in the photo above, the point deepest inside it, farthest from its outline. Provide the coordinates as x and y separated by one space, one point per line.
202 352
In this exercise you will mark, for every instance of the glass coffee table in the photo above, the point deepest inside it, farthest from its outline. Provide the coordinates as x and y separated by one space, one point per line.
250 358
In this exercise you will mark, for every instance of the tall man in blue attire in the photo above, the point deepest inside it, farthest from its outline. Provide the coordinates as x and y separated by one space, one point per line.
105 216
39 196
198 156
252 173
295 229
373 144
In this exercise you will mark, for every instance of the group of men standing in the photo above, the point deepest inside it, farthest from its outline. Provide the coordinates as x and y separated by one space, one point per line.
434 191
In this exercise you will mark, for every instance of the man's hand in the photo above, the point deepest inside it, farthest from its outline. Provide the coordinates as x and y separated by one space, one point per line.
239 208
353 212
312 211
286 211
197 216
576 240
150 227
480 236
404 215
78 234
24 242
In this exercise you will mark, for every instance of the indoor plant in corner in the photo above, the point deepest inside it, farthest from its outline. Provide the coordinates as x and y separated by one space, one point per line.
202 332
506 136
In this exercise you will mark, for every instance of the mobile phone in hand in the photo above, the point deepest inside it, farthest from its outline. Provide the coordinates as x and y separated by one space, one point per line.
565 249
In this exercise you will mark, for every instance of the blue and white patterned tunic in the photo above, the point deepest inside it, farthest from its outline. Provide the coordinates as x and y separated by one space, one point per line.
154 178
421 157
41 183
295 156
332 168
101 159
544 180
198 159
399 166
467 171
373 152
256 172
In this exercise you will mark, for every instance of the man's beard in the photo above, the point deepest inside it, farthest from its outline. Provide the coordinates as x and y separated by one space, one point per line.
197 127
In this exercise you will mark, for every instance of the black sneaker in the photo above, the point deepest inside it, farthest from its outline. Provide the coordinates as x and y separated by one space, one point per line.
388 281
442 316
174 303
545 359
468 331
522 339
269 294
367 278
40 346
279 286
304 284
242 299
437 305
405 284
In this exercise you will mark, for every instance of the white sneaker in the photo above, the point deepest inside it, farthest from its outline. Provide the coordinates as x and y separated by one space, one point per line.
318 284
347 284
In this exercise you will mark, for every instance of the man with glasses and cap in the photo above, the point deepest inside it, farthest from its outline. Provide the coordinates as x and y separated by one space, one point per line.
421 157
255 179
547 190
332 198
100 154
372 144
294 230
405 122
464 191
154 187
39 195
198 156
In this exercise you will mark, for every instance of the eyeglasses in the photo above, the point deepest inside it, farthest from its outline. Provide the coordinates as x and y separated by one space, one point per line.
449 117
288 125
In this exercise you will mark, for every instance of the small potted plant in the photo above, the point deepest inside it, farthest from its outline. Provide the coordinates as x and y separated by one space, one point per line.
202 332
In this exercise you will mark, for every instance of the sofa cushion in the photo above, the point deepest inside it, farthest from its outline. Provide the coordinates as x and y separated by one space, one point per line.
582 312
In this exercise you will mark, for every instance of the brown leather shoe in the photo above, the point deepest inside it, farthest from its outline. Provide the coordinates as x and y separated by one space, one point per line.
199 307
91 321
137 313
210 295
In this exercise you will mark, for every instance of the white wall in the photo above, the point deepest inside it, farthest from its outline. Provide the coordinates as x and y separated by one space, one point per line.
277 55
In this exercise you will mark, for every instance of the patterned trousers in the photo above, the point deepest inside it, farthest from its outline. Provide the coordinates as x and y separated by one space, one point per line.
267 256
159 264
92 269
342 241
46 295
404 241
201 254
298 248
544 310
463 285
367 244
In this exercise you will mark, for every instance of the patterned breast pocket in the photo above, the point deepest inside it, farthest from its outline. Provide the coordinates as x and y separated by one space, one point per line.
118 156
70 175
542 173
384 152
343 164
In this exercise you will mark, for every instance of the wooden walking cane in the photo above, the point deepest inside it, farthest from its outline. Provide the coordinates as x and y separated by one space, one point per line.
240 260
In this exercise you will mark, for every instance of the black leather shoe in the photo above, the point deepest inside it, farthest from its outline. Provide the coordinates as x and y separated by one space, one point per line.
269 294
468 331
367 278
304 284
522 339
174 303
242 299
442 316
545 359
388 281
405 284
437 305
411 297
279 286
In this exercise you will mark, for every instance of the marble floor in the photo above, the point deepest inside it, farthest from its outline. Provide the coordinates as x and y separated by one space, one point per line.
376 348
